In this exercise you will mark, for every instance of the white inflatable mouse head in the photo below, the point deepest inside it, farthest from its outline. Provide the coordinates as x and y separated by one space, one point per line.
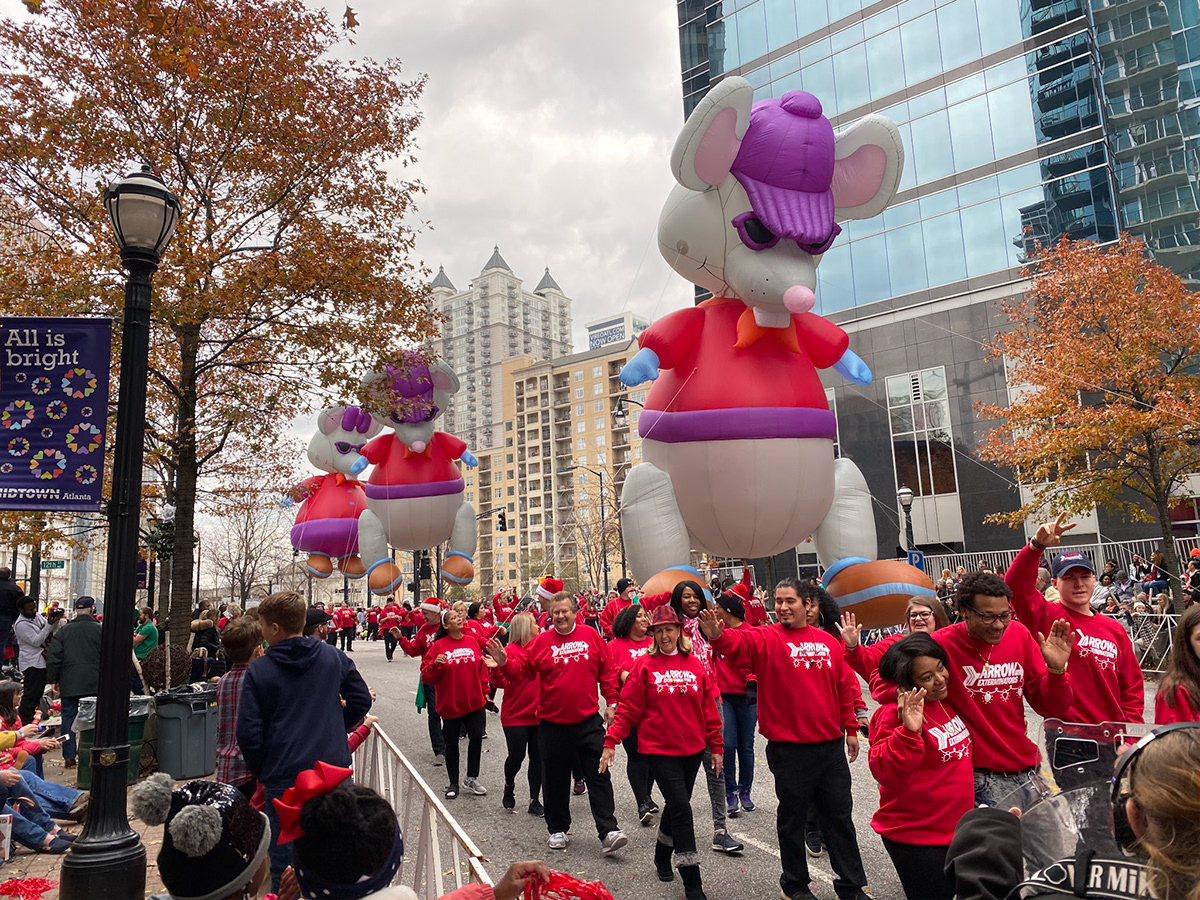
418 388
760 189
342 432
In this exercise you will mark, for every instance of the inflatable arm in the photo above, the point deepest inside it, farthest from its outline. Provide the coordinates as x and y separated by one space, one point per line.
663 345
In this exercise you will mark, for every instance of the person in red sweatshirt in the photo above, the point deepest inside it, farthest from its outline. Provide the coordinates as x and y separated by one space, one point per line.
548 588
389 618
431 619
995 665
454 666
756 610
518 716
373 616
806 713
572 661
739 709
1178 697
630 642
1104 668
503 608
670 697
924 614
921 758
623 600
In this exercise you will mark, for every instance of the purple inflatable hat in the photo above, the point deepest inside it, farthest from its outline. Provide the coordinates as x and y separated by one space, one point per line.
413 381
786 164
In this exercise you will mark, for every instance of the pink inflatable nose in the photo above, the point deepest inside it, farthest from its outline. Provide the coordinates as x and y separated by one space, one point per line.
799 299
418 446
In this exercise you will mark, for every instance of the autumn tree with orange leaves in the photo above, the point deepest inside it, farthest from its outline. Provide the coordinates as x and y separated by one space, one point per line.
1105 349
290 273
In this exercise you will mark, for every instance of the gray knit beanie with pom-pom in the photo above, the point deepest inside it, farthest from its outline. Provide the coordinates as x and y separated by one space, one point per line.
214 841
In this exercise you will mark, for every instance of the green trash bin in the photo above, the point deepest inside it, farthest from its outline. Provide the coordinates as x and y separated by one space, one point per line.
187 731
139 712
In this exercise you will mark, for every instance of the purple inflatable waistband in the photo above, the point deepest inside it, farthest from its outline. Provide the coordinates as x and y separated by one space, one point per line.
744 423
421 489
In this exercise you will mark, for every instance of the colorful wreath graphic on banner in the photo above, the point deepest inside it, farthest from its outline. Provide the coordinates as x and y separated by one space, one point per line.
84 438
16 415
5 468
41 385
86 412
20 377
48 463
79 383
18 446
86 474
56 409
47 433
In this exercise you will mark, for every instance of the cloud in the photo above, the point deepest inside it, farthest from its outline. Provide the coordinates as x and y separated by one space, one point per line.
547 130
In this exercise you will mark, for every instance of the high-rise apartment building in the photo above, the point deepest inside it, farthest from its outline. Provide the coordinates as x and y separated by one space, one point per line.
1022 120
493 320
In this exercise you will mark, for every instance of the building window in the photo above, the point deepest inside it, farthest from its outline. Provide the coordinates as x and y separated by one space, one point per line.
499 542
512 574
508 426
581 444
512 507
508 442
579 409
581 426
578 393
470 496
637 452
508 458
599 423
581 478
579 375
511 491
1185 518
598 406
512 540
583 498
919 418
581 459
512 557
602 458
470 481
597 371
499 493
601 440
598 388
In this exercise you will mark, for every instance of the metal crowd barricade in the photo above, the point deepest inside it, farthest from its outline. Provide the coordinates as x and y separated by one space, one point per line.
379 765
1153 635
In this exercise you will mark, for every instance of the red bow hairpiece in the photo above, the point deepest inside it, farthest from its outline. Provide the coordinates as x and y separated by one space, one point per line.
320 779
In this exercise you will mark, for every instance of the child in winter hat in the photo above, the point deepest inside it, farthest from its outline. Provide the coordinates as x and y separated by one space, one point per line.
214 844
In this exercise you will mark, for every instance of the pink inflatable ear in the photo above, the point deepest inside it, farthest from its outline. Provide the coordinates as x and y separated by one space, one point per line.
443 377
710 139
869 158
328 420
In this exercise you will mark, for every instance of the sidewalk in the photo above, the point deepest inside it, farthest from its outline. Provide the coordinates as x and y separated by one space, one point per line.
27 864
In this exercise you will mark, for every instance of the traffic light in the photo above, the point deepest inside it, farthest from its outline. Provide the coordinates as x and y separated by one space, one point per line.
502 519
426 572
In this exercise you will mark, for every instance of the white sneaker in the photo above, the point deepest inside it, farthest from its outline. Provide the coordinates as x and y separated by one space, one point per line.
558 841
472 786
613 841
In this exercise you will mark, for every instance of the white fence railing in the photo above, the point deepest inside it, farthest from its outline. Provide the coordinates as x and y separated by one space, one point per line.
380 765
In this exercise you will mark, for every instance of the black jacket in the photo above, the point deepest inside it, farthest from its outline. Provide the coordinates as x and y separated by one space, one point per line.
11 596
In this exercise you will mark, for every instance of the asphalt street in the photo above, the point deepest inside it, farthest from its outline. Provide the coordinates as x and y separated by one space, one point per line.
506 836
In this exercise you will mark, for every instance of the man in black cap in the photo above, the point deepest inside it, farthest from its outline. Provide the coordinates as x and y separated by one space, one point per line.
74 665
316 624
626 592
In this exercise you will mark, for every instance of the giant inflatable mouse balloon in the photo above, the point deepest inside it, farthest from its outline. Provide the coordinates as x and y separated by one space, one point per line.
736 433
326 526
415 490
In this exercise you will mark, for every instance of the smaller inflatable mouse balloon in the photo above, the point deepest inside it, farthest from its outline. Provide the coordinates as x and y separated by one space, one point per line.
326 526
415 490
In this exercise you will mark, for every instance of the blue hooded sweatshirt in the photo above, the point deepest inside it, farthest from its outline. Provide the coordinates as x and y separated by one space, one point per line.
290 714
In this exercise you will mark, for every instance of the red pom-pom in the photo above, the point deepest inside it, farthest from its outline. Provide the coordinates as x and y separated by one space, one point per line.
26 888
561 886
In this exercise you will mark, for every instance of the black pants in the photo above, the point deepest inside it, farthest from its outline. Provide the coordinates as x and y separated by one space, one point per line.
472 724
372 631
565 747
638 770
922 870
348 638
408 631
32 687
519 739
436 739
676 775
332 637
807 775
389 643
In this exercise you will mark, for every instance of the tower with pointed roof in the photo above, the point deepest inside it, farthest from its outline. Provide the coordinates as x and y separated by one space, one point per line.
491 321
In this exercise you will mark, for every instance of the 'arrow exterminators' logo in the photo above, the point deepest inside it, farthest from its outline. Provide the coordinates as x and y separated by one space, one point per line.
953 739
676 681
571 651
810 655
461 655
1001 681
1104 652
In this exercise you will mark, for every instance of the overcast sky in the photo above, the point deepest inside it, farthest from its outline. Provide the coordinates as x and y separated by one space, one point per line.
547 130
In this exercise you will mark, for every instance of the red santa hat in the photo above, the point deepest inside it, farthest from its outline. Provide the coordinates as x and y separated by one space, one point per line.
740 589
433 604
548 587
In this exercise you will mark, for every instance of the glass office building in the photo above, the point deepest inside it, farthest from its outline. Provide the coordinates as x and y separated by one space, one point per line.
1022 120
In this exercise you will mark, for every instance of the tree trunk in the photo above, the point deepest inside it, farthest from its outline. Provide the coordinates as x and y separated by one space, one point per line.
185 488
1162 507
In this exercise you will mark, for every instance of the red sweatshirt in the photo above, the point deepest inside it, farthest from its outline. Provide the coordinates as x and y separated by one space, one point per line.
571 666
610 612
1104 668
482 631
865 661
670 700
926 781
756 611
1184 710
803 694
624 652
460 679
520 701
421 641
390 618
987 684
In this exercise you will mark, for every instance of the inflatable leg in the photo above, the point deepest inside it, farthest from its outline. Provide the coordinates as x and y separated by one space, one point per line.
459 564
319 565
352 566
849 526
383 575
656 540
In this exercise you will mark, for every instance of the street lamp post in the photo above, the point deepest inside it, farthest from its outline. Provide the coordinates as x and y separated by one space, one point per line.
108 860
905 496
603 530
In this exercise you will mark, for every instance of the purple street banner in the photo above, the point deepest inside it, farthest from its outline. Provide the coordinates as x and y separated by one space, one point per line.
54 376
